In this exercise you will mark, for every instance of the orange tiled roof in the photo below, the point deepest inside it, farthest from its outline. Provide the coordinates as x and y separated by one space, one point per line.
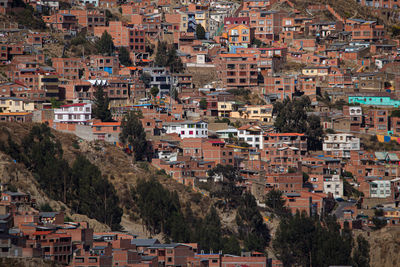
14 113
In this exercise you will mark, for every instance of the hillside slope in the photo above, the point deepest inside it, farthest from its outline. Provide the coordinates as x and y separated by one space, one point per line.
117 166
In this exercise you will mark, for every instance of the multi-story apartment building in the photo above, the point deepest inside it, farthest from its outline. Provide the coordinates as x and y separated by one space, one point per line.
391 4
278 140
160 78
379 188
228 21
340 145
377 120
239 35
333 185
62 22
355 115
7 51
14 104
48 82
280 86
252 135
362 30
187 129
254 112
124 35
109 64
118 91
257 4
88 19
238 70
79 113
68 68
266 24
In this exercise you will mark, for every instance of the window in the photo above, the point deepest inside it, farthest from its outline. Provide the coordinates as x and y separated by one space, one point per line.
169 259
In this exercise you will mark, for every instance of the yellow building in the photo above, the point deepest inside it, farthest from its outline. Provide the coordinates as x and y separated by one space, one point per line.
184 22
201 17
260 113
225 108
49 83
13 104
315 71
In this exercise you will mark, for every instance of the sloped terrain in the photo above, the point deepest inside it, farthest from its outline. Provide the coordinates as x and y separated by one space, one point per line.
117 166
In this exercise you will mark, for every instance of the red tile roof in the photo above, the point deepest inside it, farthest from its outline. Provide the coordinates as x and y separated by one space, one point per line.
284 134
73 105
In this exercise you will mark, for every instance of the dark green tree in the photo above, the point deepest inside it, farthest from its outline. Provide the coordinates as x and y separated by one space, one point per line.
231 245
93 195
132 133
378 222
274 200
101 105
174 94
124 57
203 104
208 233
161 55
82 187
361 256
226 188
105 44
173 61
154 91
200 32
251 225
303 241
291 116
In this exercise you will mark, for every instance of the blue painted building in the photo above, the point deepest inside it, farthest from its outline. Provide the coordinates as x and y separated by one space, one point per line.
374 101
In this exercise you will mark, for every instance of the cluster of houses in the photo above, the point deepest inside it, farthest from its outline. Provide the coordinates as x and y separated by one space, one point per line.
26 232
348 67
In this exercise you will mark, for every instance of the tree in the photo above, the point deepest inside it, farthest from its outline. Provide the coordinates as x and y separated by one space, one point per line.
203 104
101 110
208 233
361 253
161 55
231 245
132 132
314 133
301 240
251 224
174 94
124 57
154 91
173 61
167 57
200 32
105 44
82 187
274 200
55 103
291 116
226 188
378 222
92 194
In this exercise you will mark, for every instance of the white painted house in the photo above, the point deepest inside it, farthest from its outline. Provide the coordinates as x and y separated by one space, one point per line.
333 184
252 135
340 145
79 113
187 129
379 188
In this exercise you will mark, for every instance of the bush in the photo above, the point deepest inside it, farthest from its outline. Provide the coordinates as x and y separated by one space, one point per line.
45 208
